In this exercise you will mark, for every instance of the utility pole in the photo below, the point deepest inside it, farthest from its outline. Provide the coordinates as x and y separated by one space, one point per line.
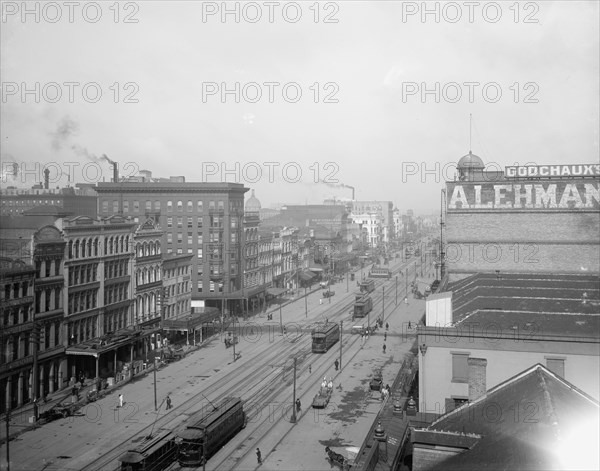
406 280
233 339
155 403
305 303
7 439
383 304
293 420
341 330
396 290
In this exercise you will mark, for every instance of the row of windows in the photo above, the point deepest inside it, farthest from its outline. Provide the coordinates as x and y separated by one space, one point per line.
155 205
16 290
44 268
83 301
48 300
29 202
115 269
15 316
82 330
116 293
173 310
460 367
177 288
179 271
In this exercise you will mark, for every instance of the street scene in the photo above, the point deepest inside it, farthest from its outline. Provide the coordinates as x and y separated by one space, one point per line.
284 236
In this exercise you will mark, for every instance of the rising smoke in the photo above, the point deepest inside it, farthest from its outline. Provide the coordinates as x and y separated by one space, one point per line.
66 129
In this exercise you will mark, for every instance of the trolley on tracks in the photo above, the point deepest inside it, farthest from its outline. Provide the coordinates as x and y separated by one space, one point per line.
152 454
209 431
367 286
324 336
380 272
362 306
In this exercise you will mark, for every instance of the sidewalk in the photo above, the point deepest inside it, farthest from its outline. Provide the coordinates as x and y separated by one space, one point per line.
22 419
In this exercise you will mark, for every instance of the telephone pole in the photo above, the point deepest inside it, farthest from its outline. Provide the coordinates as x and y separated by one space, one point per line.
341 330
293 419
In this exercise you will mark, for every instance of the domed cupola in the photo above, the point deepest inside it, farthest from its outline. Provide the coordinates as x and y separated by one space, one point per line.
469 165
253 204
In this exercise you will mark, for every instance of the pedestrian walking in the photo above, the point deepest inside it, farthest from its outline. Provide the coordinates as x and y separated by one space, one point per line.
169 402
120 400
309 369
387 326
405 300
384 348
337 365
385 336
258 456
298 406
409 325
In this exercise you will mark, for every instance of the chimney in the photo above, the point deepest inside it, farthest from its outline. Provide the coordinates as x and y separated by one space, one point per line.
115 172
477 377
46 179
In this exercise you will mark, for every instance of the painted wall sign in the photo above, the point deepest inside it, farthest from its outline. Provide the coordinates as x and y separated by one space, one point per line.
548 171
536 196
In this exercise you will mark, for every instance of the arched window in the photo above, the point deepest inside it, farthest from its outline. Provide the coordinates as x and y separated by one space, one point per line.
180 206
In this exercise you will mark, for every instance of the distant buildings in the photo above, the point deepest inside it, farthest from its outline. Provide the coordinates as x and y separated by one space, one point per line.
62 202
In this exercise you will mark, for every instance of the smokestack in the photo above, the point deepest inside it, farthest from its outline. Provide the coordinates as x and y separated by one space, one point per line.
115 172
46 179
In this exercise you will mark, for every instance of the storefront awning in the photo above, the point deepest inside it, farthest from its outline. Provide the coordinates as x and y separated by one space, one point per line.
306 275
193 321
316 268
275 291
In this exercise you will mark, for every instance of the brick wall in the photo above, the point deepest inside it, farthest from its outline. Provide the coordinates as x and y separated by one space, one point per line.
555 242
477 377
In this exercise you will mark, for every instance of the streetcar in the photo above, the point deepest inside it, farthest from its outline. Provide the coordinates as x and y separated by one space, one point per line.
367 286
324 336
209 431
152 454
380 272
362 306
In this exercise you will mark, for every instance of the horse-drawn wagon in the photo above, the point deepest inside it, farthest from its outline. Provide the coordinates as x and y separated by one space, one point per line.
321 399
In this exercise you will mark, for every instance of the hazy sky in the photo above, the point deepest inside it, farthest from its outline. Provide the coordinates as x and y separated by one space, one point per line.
365 63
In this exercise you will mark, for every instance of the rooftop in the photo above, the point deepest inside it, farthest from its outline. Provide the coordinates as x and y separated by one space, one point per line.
565 304
534 420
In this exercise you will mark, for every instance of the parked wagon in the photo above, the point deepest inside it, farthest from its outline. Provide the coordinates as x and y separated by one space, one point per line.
322 398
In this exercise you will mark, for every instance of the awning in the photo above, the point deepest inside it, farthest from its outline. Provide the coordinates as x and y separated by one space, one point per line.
275 291
316 268
306 275
191 322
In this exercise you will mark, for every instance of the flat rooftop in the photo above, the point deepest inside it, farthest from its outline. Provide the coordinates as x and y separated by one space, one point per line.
555 303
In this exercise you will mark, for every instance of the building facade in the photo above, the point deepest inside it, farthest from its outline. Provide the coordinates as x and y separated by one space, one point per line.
202 219
544 221
17 284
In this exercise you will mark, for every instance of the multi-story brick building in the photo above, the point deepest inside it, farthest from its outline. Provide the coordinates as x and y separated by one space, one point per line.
17 280
254 288
377 217
99 297
48 259
202 219
147 274
507 221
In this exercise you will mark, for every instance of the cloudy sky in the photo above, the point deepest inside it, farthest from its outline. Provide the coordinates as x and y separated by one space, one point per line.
320 95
